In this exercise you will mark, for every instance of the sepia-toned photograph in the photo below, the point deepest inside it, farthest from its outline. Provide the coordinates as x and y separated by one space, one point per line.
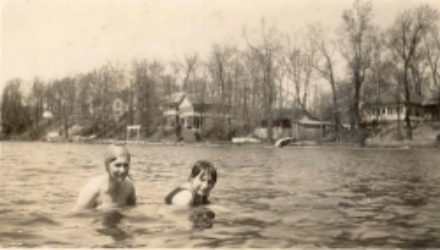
199 124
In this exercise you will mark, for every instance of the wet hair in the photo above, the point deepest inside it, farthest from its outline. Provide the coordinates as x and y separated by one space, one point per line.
203 166
113 151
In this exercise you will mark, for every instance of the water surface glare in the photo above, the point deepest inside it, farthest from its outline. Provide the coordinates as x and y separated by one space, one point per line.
265 197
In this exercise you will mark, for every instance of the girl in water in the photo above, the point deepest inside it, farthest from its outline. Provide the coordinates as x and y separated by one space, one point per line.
196 191
111 189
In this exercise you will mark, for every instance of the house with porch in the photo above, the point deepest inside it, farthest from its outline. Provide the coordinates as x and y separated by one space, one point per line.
170 110
391 107
191 112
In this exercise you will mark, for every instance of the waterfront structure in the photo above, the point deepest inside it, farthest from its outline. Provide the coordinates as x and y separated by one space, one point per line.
303 127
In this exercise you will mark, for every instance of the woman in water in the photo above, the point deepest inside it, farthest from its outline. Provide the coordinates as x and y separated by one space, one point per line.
111 189
196 191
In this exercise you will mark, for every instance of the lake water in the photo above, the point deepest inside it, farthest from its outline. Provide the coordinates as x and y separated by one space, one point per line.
265 197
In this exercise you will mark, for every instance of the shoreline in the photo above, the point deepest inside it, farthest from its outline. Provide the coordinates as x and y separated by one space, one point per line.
305 144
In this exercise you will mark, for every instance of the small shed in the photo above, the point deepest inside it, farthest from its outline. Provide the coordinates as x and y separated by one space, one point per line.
309 128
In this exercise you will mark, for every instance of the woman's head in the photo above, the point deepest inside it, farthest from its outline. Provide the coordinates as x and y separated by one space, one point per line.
203 177
117 161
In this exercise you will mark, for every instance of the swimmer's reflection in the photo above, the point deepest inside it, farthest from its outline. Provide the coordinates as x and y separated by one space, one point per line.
202 217
110 221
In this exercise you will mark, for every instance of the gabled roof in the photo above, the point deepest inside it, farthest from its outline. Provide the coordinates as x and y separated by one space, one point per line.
289 114
199 103
175 98
433 98
196 99
385 98
312 122
302 117
210 107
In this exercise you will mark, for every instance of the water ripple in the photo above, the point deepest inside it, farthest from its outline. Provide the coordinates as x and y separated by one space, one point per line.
295 197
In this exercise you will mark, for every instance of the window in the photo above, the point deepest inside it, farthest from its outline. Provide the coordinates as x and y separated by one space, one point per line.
189 122
198 122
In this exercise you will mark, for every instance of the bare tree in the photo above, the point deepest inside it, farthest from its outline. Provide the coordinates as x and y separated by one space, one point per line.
407 34
85 94
15 118
240 98
221 71
244 90
110 79
356 46
190 67
264 51
253 89
325 66
36 103
299 64
146 77
432 52
64 95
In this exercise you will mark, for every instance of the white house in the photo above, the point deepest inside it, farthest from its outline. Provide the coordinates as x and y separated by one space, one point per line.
389 107
170 109
192 112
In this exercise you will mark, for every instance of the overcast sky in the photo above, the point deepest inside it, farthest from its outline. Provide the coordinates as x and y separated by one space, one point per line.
49 38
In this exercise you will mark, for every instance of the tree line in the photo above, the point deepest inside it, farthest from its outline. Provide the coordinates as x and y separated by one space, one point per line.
271 72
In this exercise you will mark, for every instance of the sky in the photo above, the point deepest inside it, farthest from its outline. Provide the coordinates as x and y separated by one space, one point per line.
57 38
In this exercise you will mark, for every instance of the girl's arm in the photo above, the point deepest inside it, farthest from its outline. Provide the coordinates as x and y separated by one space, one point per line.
183 198
88 196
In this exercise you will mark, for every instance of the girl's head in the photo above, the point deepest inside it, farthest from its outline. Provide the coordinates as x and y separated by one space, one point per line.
117 162
203 177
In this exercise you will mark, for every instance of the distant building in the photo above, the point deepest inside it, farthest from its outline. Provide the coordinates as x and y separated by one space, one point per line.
389 107
310 128
281 127
303 127
170 108
191 112
119 107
